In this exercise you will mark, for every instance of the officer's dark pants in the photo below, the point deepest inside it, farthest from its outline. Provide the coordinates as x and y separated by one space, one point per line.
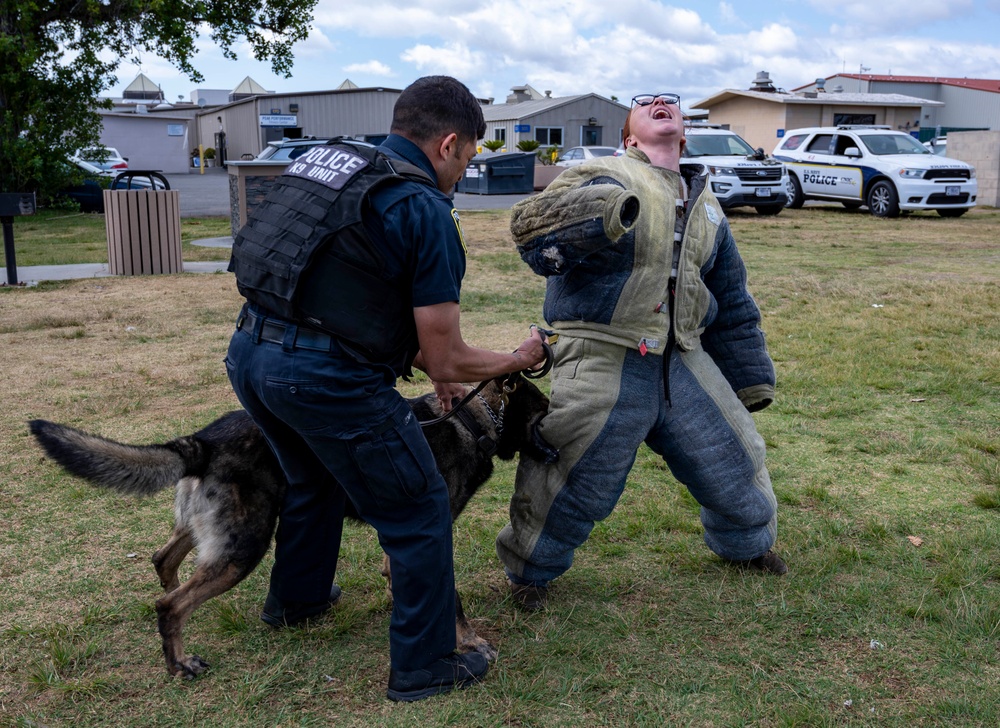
329 446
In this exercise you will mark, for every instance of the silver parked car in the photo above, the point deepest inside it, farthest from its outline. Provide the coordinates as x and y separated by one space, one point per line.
578 155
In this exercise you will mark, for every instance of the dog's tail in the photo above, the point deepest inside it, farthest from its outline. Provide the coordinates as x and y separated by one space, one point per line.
130 469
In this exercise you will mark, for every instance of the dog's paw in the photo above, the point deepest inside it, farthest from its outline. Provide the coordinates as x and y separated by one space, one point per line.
190 667
539 449
478 644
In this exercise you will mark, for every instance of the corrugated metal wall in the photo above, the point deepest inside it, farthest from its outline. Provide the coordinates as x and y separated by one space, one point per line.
145 140
571 117
969 108
965 108
357 113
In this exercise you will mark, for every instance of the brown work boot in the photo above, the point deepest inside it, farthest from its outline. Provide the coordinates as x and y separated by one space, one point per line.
529 597
769 563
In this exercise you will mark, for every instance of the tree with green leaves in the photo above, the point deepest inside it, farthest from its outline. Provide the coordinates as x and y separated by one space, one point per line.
58 56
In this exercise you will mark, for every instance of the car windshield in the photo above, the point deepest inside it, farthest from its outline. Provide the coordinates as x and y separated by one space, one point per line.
602 151
716 145
288 152
893 144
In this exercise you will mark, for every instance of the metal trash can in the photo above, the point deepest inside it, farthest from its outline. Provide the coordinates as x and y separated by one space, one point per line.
142 216
499 174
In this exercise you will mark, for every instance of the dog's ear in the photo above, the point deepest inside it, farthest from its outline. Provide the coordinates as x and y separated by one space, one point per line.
538 449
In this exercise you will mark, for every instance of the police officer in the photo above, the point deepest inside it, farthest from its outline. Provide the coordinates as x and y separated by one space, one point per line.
325 398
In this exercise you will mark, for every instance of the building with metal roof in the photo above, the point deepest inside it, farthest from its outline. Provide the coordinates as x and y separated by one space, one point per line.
561 121
966 103
764 112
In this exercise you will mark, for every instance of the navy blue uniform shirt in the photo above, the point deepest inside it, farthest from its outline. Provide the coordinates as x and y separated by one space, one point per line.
420 231
415 225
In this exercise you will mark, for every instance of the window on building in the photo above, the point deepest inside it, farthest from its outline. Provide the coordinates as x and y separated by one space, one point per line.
549 136
843 119
500 134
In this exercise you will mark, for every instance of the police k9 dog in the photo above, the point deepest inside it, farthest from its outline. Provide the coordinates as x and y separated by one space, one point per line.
229 488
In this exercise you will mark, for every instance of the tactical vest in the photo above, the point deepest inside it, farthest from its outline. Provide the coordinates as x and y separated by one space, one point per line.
304 253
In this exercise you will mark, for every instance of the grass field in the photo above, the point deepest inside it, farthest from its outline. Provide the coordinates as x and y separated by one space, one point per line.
883 447
59 237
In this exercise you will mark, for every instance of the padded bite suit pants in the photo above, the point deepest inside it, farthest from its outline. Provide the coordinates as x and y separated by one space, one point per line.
606 401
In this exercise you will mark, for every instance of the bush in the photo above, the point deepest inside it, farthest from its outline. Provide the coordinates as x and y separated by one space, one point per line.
528 145
549 155
210 153
493 144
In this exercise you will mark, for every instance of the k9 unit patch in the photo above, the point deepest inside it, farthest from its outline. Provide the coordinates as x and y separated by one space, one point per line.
329 166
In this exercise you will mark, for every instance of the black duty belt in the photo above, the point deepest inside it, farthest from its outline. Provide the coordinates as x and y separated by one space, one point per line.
274 331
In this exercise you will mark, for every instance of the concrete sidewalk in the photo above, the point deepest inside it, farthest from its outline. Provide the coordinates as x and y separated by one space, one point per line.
207 195
32 275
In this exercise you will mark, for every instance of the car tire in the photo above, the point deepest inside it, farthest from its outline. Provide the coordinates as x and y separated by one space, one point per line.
795 197
851 205
883 201
952 212
769 209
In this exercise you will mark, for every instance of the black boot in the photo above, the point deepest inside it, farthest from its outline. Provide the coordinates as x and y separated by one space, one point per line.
769 563
441 676
279 614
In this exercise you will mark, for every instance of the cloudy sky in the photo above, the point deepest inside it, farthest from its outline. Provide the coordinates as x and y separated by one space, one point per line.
613 48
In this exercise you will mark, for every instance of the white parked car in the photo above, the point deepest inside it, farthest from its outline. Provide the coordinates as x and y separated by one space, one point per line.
887 170
740 175
108 160
938 146
578 155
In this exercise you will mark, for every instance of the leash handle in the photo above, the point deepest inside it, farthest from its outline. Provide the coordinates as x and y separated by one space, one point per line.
546 363
453 410
510 383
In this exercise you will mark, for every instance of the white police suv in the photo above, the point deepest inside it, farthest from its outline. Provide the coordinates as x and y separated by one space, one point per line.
739 174
887 170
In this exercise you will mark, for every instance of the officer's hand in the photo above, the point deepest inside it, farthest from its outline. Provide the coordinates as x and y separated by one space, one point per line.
531 353
447 391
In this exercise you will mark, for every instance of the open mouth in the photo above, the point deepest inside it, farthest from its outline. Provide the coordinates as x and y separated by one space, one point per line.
662 113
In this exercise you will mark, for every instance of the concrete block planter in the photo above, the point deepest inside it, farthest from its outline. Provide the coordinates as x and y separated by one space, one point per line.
545 173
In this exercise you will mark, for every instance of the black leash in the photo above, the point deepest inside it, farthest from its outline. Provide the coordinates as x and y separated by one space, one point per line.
456 408
508 388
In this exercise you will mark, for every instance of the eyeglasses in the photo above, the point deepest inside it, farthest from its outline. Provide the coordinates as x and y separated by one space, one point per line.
647 99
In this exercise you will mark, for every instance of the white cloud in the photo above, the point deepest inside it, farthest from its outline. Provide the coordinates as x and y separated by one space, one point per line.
773 40
453 59
626 47
373 68
317 45
729 15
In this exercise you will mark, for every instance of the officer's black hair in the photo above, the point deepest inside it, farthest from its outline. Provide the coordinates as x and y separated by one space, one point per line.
434 106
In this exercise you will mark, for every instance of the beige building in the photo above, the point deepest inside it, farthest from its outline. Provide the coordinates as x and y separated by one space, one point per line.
764 113
970 104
